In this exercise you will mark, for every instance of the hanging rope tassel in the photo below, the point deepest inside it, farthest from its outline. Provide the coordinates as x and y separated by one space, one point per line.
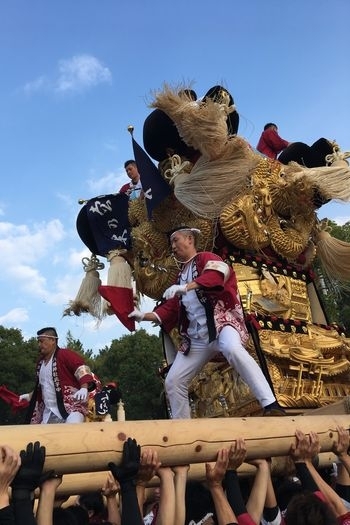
88 299
334 254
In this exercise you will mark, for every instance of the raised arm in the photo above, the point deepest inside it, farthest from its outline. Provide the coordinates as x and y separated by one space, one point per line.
166 510
126 474
331 496
10 462
215 475
180 480
257 497
110 490
340 448
149 463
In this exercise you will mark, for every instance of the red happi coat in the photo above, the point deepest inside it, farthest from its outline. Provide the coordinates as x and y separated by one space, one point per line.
218 294
270 143
69 373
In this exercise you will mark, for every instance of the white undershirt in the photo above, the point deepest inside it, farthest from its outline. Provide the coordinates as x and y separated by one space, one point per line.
195 312
48 391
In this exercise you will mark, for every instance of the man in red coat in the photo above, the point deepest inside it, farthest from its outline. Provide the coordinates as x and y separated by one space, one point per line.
206 308
270 143
62 379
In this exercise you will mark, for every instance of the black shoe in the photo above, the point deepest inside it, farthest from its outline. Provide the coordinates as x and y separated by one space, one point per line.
274 412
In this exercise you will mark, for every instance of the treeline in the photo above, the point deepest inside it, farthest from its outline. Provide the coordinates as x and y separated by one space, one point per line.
133 361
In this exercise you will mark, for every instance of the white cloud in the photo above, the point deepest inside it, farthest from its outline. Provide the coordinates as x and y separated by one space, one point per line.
66 199
39 84
14 316
19 245
341 220
81 72
109 183
75 257
74 75
23 250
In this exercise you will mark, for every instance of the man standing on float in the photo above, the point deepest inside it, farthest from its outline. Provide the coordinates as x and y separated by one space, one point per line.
206 308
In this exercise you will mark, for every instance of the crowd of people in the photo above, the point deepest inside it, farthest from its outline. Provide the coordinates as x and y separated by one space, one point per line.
303 496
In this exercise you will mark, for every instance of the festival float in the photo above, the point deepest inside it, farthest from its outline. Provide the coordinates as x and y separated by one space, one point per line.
261 217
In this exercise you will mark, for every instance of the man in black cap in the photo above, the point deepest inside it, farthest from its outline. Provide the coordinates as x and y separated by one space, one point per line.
205 306
62 379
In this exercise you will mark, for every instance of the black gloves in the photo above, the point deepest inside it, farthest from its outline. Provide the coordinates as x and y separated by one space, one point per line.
127 471
28 477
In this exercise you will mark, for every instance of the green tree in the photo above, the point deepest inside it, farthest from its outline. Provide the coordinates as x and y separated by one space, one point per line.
77 346
17 371
134 361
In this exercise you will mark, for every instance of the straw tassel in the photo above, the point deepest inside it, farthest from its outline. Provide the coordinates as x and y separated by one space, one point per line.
88 299
334 255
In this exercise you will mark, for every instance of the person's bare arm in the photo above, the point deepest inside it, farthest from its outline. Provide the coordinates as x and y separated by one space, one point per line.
166 511
257 497
331 496
215 475
110 491
10 462
340 449
149 464
180 480
47 500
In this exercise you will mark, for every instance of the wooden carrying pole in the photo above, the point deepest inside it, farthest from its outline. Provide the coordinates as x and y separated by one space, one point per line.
89 447
94 481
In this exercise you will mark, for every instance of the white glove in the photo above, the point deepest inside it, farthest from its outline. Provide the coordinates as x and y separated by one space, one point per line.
81 395
175 289
25 397
137 315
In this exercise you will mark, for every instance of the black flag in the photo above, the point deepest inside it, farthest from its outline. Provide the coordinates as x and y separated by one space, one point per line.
155 188
103 223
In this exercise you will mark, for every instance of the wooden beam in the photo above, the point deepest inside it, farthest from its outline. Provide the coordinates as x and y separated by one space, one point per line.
88 447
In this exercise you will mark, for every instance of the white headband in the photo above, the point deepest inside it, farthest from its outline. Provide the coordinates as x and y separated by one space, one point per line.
192 230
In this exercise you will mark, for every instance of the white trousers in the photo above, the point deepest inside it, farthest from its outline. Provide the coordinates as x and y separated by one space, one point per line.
73 417
186 367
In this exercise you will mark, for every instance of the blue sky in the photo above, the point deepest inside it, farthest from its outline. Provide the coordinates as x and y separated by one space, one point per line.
76 73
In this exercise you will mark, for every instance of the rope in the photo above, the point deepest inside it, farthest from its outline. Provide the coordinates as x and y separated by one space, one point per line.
337 156
176 168
115 253
92 264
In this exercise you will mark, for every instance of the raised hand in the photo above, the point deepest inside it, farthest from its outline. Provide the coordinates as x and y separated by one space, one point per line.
237 454
127 471
340 447
215 474
149 464
32 463
305 447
